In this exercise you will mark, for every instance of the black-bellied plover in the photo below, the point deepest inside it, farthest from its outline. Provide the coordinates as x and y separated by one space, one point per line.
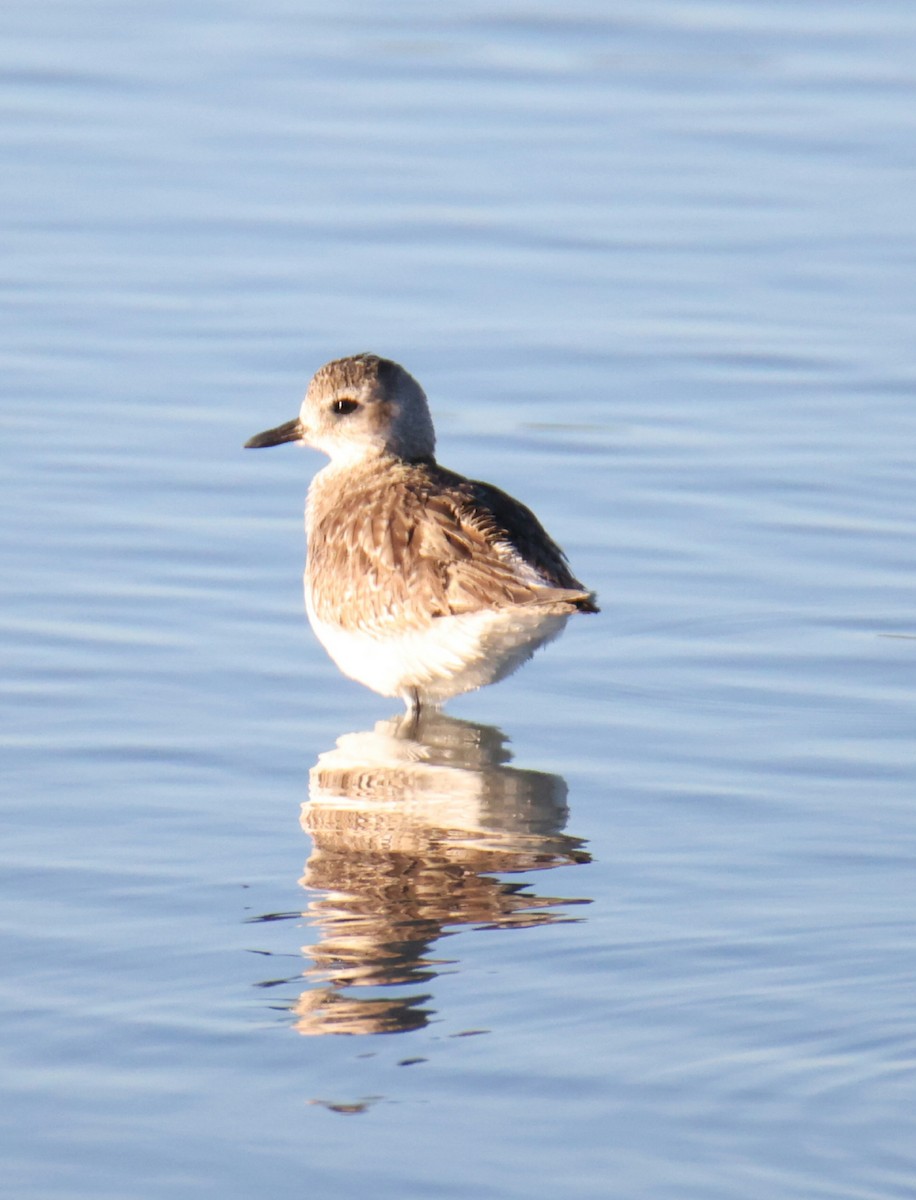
419 583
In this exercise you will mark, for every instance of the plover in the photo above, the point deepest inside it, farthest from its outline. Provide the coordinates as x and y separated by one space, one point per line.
419 583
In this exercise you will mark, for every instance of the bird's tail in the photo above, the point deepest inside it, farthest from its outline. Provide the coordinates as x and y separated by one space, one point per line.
578 599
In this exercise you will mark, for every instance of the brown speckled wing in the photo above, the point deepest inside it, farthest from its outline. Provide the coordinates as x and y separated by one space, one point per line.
418 542
501 553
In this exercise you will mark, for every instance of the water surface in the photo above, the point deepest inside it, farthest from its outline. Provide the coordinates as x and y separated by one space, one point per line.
639 920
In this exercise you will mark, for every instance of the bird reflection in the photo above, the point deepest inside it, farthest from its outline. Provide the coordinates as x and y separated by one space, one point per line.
412 824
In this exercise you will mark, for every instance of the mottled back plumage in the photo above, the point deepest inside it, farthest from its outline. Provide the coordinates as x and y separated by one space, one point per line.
415 542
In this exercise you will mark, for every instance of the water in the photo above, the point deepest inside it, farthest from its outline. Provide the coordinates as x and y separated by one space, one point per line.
639 920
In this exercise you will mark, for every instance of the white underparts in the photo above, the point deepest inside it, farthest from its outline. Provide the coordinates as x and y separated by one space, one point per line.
443 658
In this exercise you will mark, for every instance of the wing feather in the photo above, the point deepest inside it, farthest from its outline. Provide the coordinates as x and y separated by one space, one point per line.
427 543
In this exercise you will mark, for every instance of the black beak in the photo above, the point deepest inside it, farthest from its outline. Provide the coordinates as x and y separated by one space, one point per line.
290 432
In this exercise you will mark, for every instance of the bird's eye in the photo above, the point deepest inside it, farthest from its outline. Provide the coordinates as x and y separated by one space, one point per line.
344 407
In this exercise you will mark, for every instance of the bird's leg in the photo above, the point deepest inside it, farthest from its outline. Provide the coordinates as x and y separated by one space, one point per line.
414 708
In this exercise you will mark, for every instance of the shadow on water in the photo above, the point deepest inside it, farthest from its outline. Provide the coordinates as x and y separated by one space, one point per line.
412 825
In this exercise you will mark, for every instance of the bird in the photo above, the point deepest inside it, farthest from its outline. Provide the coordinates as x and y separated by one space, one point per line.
420 583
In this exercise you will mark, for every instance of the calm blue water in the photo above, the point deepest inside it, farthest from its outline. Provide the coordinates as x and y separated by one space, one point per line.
641 920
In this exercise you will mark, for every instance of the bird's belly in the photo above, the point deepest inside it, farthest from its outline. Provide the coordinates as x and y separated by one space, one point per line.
442 658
